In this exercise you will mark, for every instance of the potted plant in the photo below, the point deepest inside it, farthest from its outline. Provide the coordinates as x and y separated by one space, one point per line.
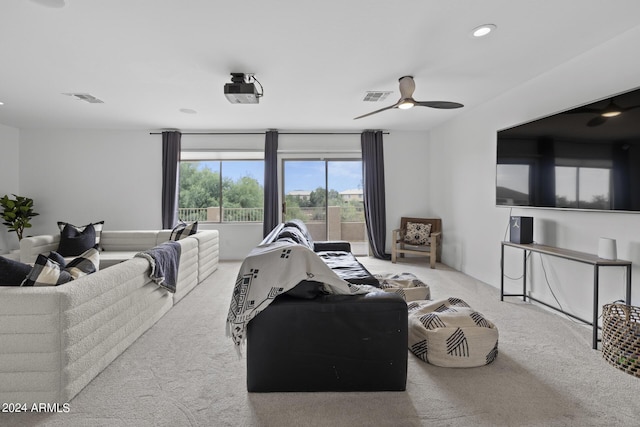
17 213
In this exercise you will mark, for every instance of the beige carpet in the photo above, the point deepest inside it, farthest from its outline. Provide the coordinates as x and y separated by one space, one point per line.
185 372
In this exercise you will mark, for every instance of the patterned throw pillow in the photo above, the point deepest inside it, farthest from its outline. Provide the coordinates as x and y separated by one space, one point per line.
417 233
86 263
46 272
97 227
183 230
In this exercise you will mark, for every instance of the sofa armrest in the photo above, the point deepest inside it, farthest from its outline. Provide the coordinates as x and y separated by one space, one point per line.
336 245
31 247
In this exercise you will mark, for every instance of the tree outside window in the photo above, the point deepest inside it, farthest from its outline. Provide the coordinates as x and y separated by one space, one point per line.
221 191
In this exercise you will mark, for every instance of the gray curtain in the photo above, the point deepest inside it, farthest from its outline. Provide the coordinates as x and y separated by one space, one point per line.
270 182
170 177
373 189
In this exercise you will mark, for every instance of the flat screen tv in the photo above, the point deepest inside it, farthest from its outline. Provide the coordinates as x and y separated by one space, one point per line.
585 158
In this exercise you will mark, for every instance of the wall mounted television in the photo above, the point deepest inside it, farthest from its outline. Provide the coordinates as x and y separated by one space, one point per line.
584 158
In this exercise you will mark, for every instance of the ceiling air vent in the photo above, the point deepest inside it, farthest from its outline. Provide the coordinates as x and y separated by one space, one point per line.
375 96
85 97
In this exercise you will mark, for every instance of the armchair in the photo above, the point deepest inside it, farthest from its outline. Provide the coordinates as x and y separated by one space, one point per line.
418 236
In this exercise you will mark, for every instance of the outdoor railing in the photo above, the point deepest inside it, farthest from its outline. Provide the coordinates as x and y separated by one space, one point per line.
312 214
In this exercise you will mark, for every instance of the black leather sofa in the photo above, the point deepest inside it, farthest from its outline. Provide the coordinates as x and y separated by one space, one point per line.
307 340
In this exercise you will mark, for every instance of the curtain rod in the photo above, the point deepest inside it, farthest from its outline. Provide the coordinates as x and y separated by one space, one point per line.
262 133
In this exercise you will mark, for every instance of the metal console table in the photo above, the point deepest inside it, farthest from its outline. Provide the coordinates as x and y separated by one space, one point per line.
582 257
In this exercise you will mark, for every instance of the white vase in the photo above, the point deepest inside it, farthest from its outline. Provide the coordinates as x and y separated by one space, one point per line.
607 248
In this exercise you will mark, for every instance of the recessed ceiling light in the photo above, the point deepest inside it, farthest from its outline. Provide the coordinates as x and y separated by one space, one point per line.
50 3
483 30
1 103
188 111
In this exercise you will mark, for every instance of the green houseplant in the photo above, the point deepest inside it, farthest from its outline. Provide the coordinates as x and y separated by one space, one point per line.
17 213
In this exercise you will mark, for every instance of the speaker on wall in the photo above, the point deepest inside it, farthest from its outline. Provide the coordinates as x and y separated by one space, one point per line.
521 229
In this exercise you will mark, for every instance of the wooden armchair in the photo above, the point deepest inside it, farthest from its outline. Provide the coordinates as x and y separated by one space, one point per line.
419 242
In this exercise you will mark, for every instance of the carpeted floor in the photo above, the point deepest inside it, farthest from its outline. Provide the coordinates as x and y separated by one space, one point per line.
185 372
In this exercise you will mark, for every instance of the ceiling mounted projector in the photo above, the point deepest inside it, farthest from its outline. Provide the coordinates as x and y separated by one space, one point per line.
242 89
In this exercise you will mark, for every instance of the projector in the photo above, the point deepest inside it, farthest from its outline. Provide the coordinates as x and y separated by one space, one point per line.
241 92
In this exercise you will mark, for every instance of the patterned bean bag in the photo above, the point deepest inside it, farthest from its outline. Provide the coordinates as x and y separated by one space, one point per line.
451 334
406 284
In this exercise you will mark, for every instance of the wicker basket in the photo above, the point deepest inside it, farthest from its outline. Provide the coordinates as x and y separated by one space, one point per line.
621 337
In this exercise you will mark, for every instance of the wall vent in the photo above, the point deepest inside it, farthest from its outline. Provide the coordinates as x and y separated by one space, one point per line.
85 97
375 96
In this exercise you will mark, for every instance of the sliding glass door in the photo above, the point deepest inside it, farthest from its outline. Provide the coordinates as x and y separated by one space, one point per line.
327 196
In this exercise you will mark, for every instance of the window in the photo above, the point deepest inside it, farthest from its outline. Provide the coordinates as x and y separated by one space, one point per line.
513 183
327 195
583 187
221 191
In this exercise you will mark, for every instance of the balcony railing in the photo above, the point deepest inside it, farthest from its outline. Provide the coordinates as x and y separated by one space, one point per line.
312 214
216 214
343 224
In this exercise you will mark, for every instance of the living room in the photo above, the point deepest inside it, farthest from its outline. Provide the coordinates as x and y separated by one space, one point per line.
93 172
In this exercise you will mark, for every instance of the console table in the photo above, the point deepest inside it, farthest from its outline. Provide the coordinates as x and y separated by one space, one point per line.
582 257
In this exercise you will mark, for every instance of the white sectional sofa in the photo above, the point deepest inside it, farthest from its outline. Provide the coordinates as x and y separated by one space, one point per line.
54 340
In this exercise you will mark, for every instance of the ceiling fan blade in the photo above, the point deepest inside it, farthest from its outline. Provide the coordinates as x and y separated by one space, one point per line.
407 87
581 110
445 105
596 121
629 108
377 111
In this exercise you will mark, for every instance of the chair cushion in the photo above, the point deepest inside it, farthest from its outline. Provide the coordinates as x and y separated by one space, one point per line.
417 233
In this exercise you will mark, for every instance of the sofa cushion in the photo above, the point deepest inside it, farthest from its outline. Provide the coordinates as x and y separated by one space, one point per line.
12 273
183 230
97 227
47 272
307 289
348 268
74 241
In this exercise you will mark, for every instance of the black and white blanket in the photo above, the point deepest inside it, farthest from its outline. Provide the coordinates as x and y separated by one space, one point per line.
272 269
164 260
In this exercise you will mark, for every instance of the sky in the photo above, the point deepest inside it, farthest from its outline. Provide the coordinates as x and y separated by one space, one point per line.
310 174
298 174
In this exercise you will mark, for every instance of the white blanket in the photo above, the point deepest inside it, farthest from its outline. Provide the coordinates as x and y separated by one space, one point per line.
273 269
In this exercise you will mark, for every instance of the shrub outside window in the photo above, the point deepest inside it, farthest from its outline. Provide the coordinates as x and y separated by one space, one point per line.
221 191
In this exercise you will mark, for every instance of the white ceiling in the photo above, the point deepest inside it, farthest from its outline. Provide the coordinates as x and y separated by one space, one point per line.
147 59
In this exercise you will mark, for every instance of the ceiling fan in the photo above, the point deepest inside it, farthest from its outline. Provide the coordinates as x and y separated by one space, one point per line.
603 114
407 86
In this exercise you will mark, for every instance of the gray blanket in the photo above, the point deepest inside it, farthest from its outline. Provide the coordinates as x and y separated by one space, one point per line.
164 260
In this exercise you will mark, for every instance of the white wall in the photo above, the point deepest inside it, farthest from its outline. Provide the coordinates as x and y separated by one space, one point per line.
9 179
406 172
462 176
83 176
87 176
